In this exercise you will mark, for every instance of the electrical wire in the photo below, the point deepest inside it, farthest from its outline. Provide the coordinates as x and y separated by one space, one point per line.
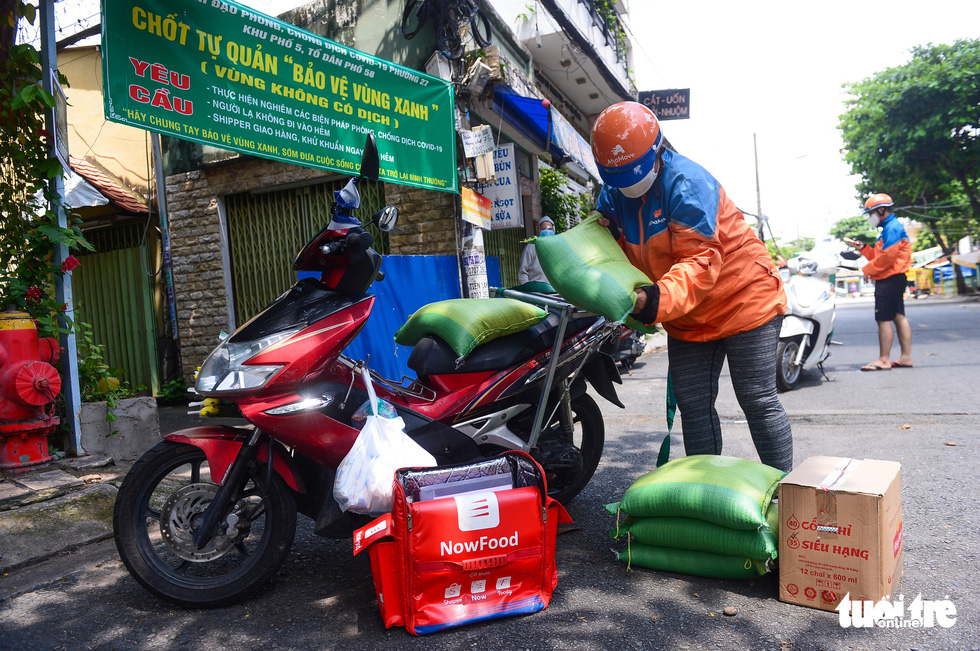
639 45
577 52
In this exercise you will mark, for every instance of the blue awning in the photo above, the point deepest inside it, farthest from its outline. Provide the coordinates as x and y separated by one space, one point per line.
546 128
530 116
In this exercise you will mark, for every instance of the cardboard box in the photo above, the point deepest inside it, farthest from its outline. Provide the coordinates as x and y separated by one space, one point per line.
840 531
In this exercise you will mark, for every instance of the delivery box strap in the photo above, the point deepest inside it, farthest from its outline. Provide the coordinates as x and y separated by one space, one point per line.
484 563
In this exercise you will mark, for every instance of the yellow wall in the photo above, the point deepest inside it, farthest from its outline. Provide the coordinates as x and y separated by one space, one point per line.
122 150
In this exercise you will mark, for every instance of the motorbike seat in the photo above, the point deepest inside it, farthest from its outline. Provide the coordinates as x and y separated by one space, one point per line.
433 356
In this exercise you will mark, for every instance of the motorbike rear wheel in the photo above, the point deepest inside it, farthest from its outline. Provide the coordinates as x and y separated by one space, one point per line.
158 508
570 464
787 372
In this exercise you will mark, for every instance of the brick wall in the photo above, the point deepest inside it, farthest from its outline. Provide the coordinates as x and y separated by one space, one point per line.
425 221
425 227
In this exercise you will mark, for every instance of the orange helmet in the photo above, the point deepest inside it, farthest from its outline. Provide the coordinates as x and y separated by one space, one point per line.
626 140
880 200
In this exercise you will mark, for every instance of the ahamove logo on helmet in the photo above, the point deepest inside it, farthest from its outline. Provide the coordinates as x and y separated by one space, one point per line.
626 142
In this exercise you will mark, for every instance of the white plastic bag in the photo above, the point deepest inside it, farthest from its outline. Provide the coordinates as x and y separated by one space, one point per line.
364 478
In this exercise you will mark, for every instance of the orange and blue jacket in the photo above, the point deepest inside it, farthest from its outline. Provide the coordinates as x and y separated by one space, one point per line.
892 253
715 276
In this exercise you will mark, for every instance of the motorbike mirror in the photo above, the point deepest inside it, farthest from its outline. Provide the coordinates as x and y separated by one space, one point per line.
370 164
850 255
386 218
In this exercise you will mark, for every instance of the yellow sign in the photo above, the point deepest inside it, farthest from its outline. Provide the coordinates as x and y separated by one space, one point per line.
476 209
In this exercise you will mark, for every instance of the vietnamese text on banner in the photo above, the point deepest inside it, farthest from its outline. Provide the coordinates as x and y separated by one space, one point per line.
222 74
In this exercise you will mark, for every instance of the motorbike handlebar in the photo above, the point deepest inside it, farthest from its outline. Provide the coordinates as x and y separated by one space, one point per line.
358 242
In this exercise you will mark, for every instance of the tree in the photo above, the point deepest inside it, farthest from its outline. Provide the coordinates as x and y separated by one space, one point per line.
913 131
854 227
786 250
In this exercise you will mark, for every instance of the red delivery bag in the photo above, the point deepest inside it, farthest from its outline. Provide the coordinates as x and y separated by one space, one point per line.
464 544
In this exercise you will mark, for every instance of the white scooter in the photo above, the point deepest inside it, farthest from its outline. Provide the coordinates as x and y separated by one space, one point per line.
805 337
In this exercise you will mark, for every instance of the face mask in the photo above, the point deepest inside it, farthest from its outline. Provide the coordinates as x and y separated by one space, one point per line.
874 219
546 233
639 189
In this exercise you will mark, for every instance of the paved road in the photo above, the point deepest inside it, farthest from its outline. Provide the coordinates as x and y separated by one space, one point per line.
323 598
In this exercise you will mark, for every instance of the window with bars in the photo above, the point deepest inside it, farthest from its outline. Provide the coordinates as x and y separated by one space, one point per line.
266 230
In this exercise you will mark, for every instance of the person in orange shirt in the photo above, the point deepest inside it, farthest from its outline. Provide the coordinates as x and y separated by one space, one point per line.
716 290
888 260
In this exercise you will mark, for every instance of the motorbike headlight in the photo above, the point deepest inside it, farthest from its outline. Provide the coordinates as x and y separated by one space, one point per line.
225 371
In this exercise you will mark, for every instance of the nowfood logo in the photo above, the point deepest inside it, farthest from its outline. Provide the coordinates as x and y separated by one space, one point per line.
448 547
477 511
921 613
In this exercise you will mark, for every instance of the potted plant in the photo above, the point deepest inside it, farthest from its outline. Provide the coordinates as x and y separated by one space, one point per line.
116 419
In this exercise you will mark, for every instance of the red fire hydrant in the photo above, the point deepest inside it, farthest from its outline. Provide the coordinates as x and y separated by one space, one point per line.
28 385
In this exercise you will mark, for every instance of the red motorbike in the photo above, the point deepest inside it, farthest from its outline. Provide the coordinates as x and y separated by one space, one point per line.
207 517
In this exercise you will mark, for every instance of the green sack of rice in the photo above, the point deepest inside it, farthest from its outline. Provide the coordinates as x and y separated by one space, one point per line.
589 270
715 566
733 493
772 518
700 536
465 323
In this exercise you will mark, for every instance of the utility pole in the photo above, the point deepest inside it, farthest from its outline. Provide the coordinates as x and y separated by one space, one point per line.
63 288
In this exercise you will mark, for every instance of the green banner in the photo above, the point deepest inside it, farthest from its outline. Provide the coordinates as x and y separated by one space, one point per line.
222 74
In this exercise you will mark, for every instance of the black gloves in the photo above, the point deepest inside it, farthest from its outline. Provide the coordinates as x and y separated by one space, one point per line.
648 315
613 228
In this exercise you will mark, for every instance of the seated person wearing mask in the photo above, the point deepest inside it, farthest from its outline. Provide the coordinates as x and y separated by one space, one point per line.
530 269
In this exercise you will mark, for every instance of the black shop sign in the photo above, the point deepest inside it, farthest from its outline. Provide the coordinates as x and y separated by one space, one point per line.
672 104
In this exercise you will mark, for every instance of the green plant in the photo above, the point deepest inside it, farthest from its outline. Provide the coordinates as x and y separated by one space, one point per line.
29 210
529 10
173 392
607 9
97 380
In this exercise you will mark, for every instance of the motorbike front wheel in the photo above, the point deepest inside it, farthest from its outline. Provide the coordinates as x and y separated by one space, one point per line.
570 463
787 372
158 509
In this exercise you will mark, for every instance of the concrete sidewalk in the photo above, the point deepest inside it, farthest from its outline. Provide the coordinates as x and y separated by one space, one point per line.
56 509
66 504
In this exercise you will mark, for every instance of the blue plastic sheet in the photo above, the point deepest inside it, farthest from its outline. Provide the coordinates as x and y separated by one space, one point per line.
411 281
946 272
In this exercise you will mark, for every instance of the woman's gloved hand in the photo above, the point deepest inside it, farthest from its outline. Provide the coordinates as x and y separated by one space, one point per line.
611 225
647 304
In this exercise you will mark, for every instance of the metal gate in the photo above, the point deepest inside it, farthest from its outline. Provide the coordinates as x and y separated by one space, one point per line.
506 244
267 229
112 292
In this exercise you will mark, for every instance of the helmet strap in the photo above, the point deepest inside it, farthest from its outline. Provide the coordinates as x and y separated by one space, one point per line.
658 187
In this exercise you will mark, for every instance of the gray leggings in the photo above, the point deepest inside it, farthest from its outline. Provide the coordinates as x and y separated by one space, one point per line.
695 368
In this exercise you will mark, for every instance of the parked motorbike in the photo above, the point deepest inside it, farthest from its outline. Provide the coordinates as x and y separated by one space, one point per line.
631 346
207 517
808 327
